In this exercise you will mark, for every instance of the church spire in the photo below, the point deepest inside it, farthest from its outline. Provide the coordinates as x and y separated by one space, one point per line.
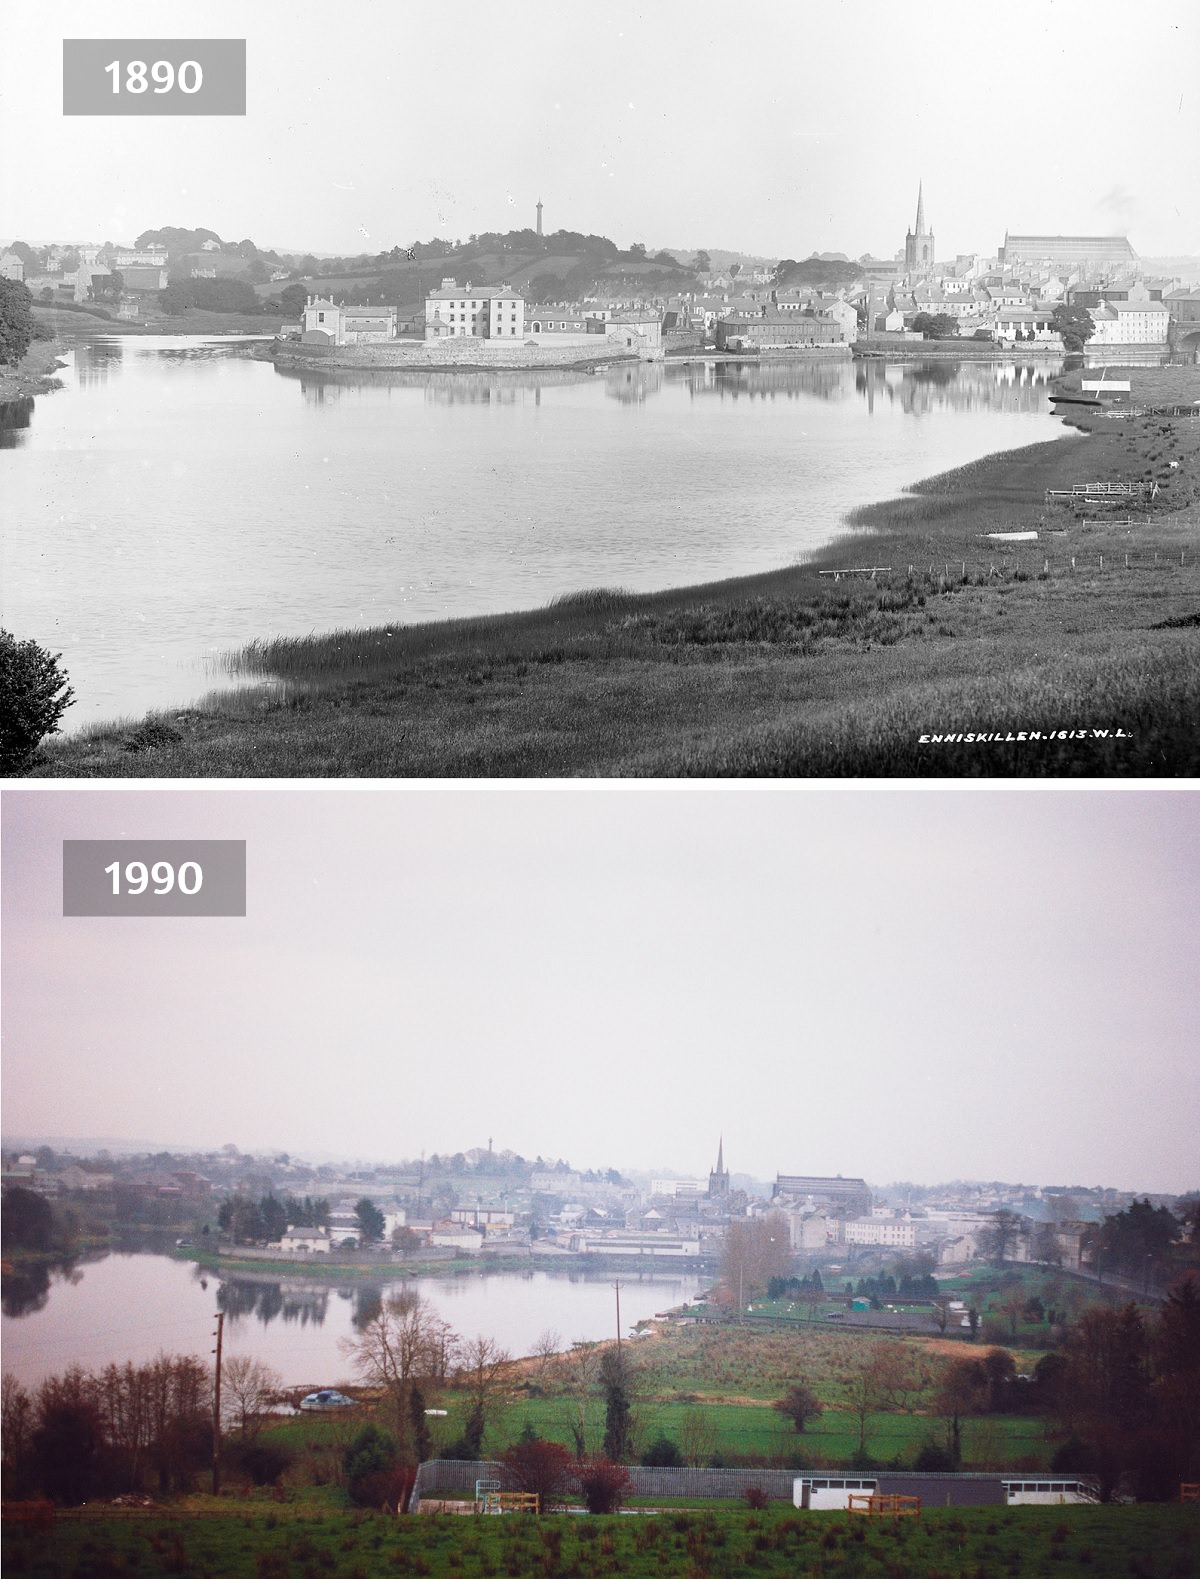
920 230
721 1155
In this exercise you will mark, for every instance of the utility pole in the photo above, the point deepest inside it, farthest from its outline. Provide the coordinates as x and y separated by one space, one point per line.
216 1464
617 1286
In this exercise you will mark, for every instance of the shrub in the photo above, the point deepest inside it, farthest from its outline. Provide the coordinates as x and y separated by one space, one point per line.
604 1485
756 1497
34 695
532 1464
369 1463
263 1462
934 1459
663 1454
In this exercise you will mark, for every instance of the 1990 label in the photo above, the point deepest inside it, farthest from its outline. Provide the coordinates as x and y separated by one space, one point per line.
154 76
154 877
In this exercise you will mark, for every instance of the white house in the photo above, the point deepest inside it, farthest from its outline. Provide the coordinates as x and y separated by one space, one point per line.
308 1241
468 1241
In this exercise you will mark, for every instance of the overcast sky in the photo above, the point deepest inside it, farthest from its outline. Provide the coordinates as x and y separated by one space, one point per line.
783 130
894 984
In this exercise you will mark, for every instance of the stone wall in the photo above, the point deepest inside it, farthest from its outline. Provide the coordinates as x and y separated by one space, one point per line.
451 353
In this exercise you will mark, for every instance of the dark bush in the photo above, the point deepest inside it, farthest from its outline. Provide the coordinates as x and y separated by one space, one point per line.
368 1463
663 1454
263 1462
604 1485
933 1459
34 695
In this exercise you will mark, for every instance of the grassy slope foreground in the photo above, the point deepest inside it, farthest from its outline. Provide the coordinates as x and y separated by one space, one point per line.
788 673
225 1541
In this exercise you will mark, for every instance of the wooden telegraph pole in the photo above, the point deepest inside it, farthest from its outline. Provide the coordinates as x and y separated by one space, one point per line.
617 1286
216 1462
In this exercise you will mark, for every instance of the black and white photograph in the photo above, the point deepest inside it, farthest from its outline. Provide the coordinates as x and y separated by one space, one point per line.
580 1183
660 391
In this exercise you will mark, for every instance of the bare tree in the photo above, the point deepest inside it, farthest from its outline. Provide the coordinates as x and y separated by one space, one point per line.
580 1373
1046 1247
1000 1237
886 1378
752 1254
16 1429
800 1404
406 1344
484 1370
546 1346
697 1437
962 1390
248 1388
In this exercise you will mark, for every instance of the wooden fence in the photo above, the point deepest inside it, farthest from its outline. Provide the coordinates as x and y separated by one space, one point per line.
884 1504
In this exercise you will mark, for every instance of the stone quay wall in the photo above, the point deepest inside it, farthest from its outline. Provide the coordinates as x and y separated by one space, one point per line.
453 354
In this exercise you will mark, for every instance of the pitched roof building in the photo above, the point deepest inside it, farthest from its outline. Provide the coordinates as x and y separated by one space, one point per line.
1091 252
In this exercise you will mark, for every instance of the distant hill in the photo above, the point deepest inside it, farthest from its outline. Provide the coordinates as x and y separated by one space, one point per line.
562 266
1185 267
196 249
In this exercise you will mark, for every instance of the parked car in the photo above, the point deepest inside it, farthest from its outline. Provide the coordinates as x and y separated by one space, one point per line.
327 1398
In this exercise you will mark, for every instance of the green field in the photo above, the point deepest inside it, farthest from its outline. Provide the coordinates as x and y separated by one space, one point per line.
970 1543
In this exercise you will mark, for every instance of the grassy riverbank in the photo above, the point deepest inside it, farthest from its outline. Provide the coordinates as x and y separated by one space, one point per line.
35 373
788 673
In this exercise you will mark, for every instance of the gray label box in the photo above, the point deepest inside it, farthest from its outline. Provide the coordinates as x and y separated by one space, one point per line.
207 76
88 890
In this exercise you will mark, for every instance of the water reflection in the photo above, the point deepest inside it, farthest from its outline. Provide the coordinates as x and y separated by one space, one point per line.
920 387
266 1301
15 417
97 361
25 1289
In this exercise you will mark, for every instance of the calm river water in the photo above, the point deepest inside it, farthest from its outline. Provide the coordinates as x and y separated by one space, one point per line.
176 500
131 1307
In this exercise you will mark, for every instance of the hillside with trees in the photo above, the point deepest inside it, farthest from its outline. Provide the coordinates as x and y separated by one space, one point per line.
817 272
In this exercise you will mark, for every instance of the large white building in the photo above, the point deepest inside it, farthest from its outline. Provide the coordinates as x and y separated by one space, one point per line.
1130 323
487 312
899 1232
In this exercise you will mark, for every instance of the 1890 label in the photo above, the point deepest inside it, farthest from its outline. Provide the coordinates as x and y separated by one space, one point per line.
154 76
